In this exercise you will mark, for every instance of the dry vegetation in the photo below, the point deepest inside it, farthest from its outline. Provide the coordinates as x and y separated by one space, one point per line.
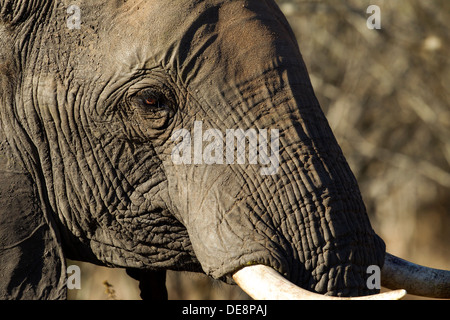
386 95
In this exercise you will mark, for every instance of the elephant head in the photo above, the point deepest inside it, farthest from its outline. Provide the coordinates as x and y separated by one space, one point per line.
181 135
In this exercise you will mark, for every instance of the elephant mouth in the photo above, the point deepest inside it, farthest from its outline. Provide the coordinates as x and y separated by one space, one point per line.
264 283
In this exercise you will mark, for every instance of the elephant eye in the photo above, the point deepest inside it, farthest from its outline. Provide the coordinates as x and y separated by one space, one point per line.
154 106
152 102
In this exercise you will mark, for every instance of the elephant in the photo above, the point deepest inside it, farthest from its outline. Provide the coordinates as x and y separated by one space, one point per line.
177 135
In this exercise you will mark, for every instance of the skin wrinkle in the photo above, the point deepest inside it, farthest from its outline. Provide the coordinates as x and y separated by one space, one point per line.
296 180
86 134
98 171
108 190
28 237
250 180
68 154
46 160
25 148
245 177
226 232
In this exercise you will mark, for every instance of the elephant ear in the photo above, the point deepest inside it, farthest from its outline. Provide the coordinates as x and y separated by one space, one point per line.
31 261
32 265
15 11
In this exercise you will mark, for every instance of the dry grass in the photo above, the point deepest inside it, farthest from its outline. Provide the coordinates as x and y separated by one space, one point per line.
100 283
386 95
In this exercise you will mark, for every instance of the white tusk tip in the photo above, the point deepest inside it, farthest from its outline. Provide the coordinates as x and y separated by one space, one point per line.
262 283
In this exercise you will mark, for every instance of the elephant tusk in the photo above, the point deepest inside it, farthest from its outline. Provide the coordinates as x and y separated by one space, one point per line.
416 279
264 283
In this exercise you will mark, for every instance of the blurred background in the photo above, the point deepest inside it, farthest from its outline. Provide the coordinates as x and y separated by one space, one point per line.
386 94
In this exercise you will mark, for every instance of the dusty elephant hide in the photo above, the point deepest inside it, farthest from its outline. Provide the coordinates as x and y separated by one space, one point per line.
88 118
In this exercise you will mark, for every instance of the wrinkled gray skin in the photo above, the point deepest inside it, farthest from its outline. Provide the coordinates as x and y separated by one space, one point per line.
86 169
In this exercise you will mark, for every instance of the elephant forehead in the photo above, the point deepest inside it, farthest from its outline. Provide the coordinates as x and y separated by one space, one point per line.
180 34
143 32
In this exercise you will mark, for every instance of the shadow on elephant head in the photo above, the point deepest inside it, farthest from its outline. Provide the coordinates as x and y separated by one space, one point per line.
186 136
